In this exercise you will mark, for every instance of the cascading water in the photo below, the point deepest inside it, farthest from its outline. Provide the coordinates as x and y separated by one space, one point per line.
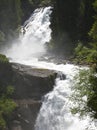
34 34
55 111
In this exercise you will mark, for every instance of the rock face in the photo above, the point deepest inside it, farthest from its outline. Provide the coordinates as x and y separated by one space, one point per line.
30 85
25 115
32 82
6 74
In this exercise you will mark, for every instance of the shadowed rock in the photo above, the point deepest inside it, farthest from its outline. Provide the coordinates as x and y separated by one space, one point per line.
30 85
32 82
25 115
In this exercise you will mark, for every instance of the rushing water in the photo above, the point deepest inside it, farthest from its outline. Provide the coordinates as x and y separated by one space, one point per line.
55 112
34 34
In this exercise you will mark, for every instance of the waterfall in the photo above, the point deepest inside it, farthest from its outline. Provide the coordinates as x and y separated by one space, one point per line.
34 34
55 111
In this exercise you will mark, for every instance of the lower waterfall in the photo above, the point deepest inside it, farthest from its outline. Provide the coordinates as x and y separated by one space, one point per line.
55 113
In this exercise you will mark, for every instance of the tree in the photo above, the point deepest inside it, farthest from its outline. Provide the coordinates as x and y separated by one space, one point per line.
87 79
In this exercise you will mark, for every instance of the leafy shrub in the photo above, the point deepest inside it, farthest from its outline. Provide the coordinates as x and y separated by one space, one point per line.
86 55
7 106
45 2
81 53
3 59
85 93
85 90
92 56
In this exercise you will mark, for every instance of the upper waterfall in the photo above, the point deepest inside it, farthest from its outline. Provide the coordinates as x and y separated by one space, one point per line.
34 34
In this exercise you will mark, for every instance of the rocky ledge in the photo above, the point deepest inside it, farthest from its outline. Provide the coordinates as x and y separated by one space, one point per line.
32 83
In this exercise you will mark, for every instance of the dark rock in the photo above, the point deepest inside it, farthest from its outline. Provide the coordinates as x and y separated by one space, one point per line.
6 74
28 113
25 115
32 82
30 85
61 76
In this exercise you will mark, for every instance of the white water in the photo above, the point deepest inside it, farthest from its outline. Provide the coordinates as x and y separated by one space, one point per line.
34 34
55 111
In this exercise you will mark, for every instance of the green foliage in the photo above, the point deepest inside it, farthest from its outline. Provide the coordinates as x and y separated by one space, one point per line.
95 5
45 2
40 2
92 56
7 105
93 31
6 91
6 108
89 55
81 50
85 93
85 90
3 59
85 55
81 54
9 90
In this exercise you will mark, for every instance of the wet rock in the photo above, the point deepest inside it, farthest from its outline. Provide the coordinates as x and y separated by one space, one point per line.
61 75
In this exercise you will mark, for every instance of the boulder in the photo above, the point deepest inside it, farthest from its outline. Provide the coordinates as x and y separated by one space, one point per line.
30 82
